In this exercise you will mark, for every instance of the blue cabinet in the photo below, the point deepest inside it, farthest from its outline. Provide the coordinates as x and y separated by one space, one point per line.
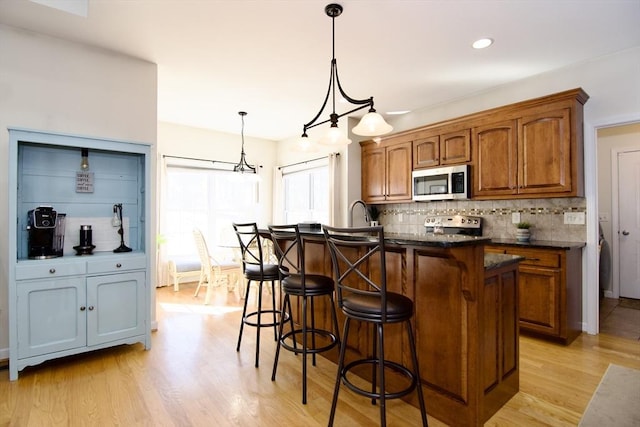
73 304
115 307
51 316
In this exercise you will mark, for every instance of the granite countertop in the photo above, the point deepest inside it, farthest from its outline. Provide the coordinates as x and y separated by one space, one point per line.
429 239
492 260
452 240
542 244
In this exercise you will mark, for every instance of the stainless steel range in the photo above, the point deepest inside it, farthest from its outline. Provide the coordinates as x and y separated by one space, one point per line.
454 224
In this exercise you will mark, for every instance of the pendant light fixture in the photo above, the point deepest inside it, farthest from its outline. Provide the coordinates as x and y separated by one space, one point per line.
242 165
371 124
84 159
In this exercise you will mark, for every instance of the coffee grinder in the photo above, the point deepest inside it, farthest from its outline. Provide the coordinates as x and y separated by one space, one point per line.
41 226
86 245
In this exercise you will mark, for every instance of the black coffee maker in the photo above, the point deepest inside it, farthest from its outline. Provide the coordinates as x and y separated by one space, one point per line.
46 233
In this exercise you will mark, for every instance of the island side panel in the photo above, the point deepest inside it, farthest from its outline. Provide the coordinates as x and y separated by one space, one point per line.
447 287
499 346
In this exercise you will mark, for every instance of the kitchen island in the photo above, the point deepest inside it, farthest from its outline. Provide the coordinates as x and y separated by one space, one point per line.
466 320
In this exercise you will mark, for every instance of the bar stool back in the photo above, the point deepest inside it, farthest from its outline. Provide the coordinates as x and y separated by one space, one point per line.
353 252
255 269
296 282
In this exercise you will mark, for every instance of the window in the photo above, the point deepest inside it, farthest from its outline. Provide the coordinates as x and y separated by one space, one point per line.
306 195
209 200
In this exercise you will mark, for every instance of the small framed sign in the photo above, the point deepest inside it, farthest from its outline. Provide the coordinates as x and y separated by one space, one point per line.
84 182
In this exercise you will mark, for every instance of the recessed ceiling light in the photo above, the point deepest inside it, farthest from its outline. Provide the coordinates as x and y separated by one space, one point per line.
397 113
482 43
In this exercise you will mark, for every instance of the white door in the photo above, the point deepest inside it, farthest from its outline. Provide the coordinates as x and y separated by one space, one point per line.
629 223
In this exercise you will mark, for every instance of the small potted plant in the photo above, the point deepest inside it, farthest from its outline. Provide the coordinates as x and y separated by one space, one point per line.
523 234
374 215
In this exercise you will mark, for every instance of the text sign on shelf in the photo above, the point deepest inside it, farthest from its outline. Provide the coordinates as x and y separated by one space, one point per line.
84 182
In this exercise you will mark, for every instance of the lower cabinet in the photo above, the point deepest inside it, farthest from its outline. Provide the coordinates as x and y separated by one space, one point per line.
115 307
550 299
60 312
68 313
51 316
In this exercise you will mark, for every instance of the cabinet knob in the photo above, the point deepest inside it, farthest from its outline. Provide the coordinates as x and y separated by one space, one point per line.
90 308
118 265
52 270
83 308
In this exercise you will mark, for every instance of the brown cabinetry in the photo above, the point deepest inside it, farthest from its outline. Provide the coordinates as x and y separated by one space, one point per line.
386 172
529 156
466 325
550 299
442 149
531 149
496 160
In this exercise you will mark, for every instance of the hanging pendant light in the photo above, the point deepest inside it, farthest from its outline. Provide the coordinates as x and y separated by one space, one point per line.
242 165
372 124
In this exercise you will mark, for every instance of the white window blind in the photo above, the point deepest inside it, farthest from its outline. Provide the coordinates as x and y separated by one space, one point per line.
306 195
210 200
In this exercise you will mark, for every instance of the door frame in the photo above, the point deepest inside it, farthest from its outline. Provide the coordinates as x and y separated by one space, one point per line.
590 260
615 219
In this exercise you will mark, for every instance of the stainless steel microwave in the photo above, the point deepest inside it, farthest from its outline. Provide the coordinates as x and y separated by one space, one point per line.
445 183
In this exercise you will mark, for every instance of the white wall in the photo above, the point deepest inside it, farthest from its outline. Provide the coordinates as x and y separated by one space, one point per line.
53 85
611 82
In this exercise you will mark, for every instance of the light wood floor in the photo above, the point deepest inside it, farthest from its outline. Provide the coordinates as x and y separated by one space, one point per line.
193 377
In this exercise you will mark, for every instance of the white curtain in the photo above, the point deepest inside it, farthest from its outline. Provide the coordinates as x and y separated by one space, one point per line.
334 185
162 273
277 206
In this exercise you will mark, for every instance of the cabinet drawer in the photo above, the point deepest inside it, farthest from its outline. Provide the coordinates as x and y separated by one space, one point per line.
115 265
539 258
46 269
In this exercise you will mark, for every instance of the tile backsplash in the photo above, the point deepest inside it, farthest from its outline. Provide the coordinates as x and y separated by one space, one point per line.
545 215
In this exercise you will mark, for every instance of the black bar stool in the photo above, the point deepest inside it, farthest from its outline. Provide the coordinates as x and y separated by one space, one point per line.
255 269
296 282
353 251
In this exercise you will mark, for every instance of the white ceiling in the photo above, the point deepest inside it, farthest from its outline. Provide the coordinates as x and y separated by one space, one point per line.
272 58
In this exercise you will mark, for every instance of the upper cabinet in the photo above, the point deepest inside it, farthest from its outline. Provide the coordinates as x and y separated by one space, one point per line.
531 149
442 147
496 161
531 153
386 171
544 152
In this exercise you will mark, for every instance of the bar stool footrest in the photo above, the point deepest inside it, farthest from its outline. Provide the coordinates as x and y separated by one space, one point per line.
401 369
333 341
247 318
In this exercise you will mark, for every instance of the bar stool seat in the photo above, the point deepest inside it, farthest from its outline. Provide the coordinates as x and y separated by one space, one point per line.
266 273
296 282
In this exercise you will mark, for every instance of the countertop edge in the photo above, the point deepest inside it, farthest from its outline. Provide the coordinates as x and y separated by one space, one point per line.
444 242
538 244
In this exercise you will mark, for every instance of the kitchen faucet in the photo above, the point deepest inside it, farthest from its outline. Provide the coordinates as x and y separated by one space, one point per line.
364 206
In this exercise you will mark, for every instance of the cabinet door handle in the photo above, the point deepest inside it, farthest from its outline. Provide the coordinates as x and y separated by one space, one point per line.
532 259
90 308
52 270
83 308
118 265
